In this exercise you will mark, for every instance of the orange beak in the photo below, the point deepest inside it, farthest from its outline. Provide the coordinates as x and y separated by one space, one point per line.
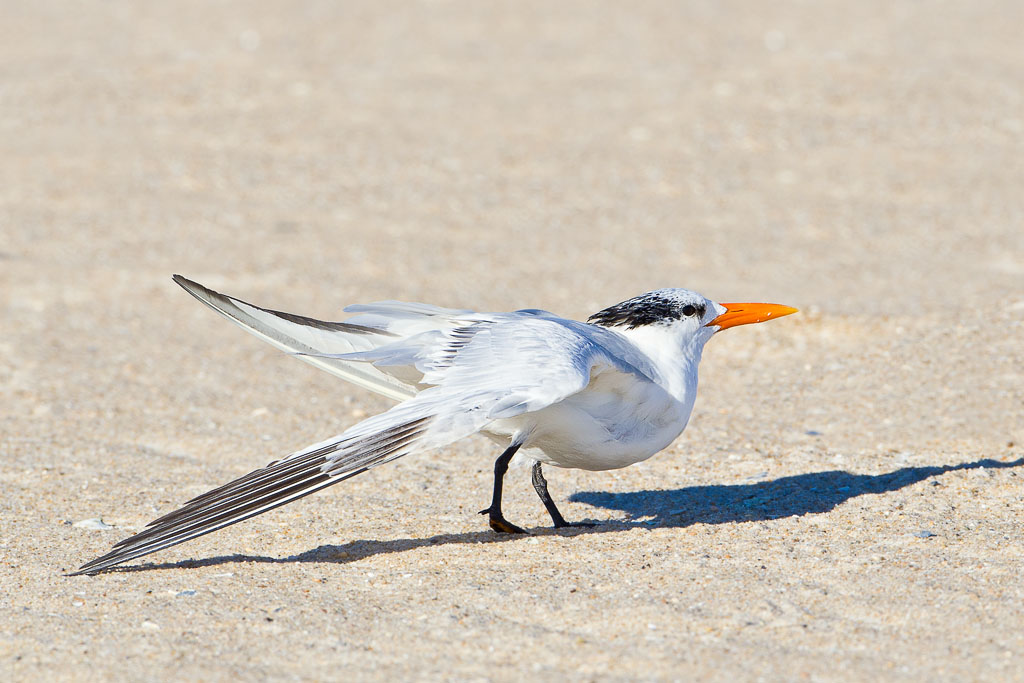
744 314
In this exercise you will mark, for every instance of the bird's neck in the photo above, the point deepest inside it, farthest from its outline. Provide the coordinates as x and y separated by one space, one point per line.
675 358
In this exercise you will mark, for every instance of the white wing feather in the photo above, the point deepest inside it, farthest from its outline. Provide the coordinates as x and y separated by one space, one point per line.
493 361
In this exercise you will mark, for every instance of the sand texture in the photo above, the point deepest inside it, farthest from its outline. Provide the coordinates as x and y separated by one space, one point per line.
848 501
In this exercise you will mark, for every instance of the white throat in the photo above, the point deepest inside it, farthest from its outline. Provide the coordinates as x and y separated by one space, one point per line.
674 352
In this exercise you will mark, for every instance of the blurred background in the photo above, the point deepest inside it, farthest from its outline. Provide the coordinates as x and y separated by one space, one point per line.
839 155
860 161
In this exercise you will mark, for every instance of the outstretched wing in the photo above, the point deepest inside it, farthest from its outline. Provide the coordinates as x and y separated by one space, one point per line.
428 421
335 346
314 340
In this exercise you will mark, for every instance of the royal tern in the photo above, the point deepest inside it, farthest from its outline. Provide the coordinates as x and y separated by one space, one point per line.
599 395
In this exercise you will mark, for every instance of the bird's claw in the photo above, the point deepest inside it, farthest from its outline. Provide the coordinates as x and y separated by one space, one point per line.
502 525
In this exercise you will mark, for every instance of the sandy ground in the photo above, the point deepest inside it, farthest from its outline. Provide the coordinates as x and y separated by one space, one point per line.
847 503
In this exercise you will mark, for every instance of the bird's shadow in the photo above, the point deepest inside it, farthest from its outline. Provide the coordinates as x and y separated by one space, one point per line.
675 508
793 496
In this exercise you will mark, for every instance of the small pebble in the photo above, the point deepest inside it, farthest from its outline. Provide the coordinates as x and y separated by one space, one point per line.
94 524
924 533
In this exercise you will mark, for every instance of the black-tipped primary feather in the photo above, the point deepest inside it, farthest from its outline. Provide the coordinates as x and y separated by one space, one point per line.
262 490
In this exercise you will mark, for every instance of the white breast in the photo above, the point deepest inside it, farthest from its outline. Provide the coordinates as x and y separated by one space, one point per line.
618 420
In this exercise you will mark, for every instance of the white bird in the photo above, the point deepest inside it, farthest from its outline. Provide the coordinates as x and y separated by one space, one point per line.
598 395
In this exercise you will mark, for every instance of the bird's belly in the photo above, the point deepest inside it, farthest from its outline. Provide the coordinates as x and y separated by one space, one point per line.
603 435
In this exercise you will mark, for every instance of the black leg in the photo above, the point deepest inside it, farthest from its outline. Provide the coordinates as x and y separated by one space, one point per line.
541 486
495 518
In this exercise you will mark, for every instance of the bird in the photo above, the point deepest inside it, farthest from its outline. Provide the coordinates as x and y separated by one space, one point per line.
596 395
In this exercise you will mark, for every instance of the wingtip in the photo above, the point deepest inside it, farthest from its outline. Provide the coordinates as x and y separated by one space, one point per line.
197 290
100 564
184 281
86 569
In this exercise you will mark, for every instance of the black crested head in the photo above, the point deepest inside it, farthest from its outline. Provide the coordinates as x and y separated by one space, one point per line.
663 306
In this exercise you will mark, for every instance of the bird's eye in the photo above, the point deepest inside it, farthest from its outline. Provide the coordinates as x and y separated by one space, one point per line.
689 310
